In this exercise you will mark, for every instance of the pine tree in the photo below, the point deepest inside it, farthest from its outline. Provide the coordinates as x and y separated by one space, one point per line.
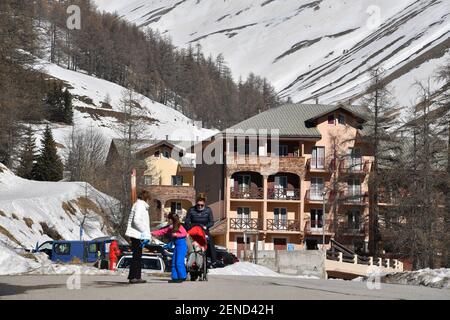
27 156
68 111
48 166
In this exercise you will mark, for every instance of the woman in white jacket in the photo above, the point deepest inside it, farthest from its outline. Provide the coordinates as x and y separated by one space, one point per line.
138 230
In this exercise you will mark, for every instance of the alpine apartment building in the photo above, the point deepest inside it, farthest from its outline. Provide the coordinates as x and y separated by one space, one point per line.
303 181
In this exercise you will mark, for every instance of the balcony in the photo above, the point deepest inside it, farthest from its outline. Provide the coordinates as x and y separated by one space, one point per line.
283 194
245 224
329 167
316 227
354 197
255 193
315 195
354 166
283 225
289 163
353 229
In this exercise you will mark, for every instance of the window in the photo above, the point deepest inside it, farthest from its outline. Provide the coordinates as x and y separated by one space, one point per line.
317 188
93 248
243 213
177 180
316 218
280 217
175 207
354 219
280 186
244 182
318 158
354 190
355 159
166 154
331 119
62 248
283 151
148 180
341 119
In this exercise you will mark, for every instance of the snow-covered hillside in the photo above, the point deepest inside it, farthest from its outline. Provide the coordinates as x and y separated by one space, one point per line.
91 108
308 48
32 211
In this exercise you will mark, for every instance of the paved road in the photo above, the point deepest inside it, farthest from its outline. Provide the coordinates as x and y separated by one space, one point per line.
218 287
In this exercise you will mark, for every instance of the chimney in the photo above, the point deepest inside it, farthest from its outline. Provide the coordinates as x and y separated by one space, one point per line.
167 137
317 100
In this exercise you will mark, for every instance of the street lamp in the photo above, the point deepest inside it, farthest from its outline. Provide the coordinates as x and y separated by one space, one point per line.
324 193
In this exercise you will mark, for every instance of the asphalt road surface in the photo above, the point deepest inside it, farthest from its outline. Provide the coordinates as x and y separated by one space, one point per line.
217 288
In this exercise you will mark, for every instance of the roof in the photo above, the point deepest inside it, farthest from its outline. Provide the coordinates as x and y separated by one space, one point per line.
144 144
295 119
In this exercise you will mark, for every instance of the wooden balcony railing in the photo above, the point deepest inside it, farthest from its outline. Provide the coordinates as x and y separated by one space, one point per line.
315 195
283 225
356 166
317 226
331 166
283 194
245 224
354 197
247 193
352 228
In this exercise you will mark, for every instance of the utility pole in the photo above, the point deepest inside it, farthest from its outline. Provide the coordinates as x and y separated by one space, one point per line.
324 193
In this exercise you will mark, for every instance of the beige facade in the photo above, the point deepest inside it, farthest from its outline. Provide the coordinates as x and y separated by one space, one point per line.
285 206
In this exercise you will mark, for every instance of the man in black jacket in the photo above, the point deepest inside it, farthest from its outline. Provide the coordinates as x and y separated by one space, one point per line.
202 215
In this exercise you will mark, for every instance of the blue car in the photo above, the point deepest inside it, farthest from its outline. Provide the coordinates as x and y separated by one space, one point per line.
66 251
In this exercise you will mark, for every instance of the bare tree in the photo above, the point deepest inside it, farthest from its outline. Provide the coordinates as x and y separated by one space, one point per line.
132 130
86 151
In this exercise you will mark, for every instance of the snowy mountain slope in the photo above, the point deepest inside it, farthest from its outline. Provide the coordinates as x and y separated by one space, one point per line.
307 48
90 95
32 211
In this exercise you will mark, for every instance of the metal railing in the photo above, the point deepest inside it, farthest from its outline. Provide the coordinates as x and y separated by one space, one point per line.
283 225
315 195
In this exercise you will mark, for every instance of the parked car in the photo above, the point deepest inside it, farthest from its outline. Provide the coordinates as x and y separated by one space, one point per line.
151 263
227 258
67 251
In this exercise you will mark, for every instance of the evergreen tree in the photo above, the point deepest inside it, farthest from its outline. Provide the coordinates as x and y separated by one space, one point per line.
68 111
27 156
48 166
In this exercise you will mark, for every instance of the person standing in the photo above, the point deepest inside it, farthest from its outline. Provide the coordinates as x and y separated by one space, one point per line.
179 235
138 230
114 253
202 215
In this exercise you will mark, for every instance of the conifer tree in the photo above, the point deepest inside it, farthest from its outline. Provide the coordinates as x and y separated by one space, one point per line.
68 111
27 156
48 166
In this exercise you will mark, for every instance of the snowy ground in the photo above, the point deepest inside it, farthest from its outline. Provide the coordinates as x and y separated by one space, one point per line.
89 95
251 269
305 48
434 278
31 211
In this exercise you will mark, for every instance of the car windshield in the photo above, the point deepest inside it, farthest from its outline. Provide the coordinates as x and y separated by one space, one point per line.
146 263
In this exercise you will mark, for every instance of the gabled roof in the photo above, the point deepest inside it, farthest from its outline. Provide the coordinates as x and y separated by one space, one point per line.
296 120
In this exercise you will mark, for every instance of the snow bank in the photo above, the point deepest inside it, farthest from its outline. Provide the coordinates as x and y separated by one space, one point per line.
251 269
12 263
435 278
32 211
244 269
